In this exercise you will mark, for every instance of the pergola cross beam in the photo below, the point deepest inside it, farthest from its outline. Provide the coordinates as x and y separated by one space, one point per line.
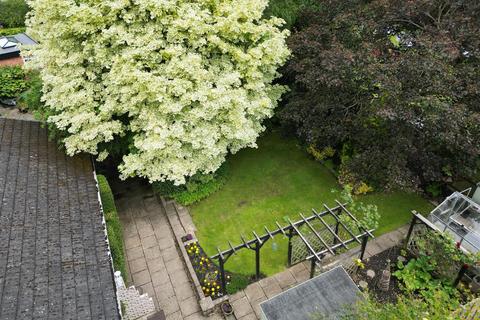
293 229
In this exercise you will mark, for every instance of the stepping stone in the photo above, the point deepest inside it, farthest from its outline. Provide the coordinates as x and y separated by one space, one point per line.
370 274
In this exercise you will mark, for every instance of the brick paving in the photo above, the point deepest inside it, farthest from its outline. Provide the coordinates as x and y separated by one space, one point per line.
153 262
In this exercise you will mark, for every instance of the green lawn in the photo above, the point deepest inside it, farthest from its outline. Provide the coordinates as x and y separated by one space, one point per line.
269 183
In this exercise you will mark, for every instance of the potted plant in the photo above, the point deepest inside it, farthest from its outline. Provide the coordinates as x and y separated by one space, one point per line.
227 308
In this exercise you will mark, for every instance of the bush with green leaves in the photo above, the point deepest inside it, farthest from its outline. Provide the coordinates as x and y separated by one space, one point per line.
11 31
12 81
12 13
290 10
114 227
408 307
197 187
366 214
31 98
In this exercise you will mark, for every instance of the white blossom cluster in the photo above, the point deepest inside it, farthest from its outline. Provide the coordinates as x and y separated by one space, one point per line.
190 80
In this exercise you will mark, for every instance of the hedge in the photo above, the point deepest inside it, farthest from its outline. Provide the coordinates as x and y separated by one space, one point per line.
114 228
11 31
197 188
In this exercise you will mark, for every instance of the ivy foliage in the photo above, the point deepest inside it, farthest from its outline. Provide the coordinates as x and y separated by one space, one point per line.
393 86
12 81
185 82
114 227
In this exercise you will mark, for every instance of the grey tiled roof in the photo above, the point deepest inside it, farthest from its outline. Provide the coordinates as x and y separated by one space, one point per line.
54 260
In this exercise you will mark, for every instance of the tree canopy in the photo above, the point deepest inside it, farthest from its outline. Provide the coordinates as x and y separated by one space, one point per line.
393 86
178 83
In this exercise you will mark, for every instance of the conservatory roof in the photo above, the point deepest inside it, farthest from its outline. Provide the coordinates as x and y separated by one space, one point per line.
325 295
54 258
459 215
9 44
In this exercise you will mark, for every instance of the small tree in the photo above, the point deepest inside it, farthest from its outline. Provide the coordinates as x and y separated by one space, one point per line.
177 83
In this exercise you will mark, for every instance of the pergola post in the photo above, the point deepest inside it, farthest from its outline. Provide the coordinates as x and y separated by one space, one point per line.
222 274
289 254
410 229
335 241
312 267
364 246
257 261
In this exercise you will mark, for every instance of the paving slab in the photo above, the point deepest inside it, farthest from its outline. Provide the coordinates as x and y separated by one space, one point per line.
137 265
189 306
285 279
254 292
242 307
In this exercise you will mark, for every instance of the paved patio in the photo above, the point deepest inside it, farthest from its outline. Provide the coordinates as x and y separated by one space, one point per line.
153 262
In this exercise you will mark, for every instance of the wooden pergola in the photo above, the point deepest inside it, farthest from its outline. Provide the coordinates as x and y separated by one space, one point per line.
292 229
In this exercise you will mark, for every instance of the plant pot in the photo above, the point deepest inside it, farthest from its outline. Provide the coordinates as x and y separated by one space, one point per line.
227 308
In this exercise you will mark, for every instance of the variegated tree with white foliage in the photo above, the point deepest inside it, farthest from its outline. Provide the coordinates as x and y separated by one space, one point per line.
188 80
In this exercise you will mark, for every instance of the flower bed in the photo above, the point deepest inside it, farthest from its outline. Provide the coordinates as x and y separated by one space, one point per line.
207 272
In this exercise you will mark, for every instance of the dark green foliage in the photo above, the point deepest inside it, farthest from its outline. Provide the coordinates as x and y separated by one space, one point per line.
12 13
290 10
408 307
11 31
397 82
114 228
197 187
12 81
434 189
238 282
31 98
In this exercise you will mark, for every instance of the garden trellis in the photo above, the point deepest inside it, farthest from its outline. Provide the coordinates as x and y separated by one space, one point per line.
419 227
318 234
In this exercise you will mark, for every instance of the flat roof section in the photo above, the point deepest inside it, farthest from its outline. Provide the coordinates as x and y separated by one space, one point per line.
326 295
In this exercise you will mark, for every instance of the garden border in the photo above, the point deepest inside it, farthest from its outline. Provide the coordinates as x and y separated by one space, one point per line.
207 304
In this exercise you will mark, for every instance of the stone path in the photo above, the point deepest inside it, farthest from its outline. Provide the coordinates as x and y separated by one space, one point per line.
14 113
153 262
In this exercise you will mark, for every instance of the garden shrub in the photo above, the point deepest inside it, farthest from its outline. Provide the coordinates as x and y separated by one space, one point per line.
11 31
321 155
238 282
407 307
12 81
197 187
114 227
290 10
31 98
12 13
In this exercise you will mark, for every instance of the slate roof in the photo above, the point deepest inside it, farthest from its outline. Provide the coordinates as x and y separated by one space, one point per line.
54 261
